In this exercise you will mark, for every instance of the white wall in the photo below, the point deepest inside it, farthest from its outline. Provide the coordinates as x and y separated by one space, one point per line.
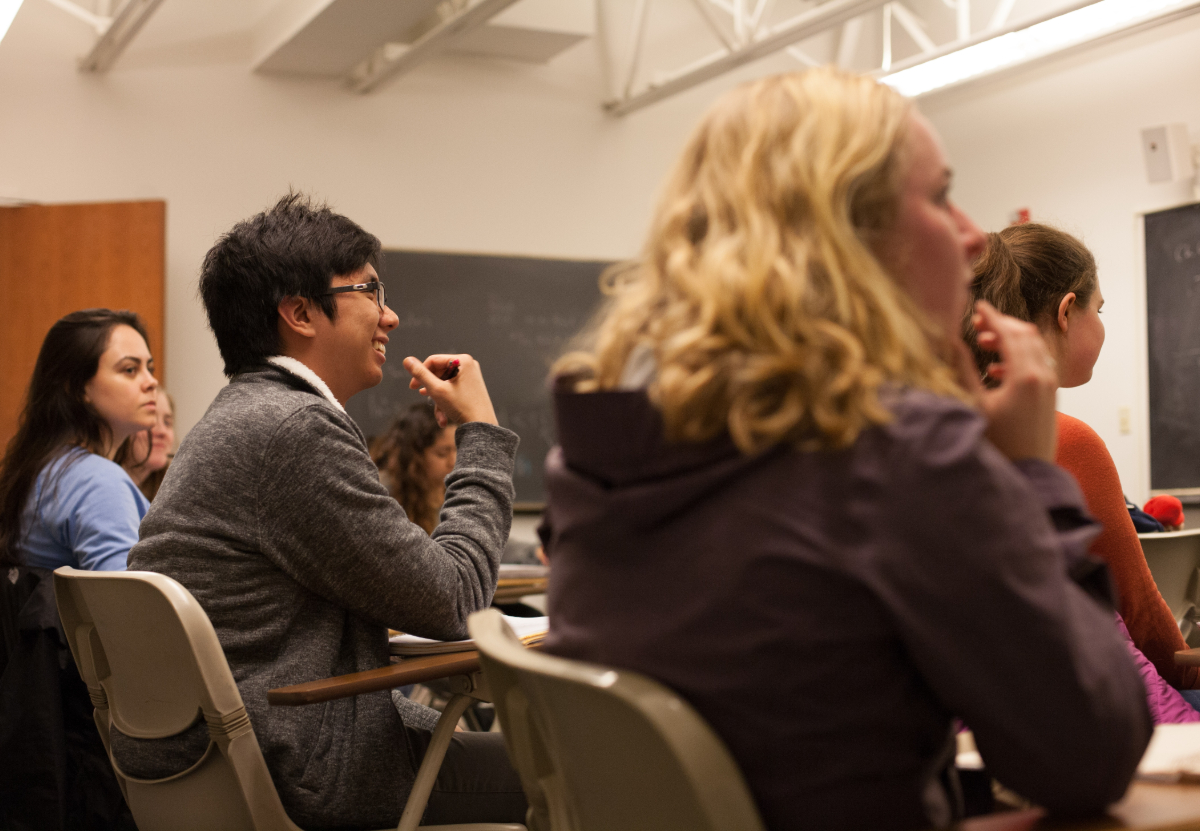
1064 139
486 156
463 154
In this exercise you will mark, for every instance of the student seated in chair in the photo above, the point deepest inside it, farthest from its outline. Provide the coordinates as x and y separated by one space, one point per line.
273 516
782 491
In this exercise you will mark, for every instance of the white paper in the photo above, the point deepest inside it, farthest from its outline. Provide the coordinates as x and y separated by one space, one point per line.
524 627
1173 754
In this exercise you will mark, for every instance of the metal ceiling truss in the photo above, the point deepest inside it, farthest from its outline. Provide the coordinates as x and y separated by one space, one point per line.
749 40
743 29
115 28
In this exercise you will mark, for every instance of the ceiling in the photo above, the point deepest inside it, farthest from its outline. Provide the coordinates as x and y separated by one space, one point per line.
641 44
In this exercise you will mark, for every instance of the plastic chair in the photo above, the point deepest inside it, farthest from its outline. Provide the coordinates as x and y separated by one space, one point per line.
151 662
600 749
1174 561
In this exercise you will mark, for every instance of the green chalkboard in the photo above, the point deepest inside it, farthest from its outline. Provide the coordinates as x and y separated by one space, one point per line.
515 315
1173 333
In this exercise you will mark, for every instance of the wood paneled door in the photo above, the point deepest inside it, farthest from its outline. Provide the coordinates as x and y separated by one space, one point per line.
56 259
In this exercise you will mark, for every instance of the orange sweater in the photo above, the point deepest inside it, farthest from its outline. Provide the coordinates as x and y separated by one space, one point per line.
1082 454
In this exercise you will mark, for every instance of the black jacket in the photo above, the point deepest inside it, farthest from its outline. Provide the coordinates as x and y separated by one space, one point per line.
54 772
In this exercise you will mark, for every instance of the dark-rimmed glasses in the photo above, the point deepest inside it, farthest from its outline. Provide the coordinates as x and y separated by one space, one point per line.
375 286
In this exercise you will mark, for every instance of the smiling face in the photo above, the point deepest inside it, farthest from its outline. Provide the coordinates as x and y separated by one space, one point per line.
354 343
123 391
929 248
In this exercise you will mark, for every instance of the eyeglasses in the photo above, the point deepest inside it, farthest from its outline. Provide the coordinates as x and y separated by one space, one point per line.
375 286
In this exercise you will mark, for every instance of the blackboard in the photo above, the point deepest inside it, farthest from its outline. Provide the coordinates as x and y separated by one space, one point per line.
1173 340
515 315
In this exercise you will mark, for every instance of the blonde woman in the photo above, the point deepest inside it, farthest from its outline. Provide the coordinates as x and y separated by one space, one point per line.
780 491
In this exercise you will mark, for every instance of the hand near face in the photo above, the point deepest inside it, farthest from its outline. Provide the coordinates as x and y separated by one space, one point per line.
463 398
1020 411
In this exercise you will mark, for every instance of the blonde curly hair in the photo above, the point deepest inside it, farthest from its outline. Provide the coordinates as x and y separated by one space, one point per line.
757 294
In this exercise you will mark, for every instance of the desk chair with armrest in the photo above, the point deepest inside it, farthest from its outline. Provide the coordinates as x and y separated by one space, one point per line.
600 749
1174 561
152 664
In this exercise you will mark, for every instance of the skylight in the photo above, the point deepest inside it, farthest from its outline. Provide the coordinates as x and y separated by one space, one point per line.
8 10
1039 40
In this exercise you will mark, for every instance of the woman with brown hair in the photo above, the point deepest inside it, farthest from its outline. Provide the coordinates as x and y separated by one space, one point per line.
781 491
414 457
63 501
1043 275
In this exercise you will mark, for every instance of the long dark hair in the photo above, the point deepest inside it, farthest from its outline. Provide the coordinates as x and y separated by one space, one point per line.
57 415
399 454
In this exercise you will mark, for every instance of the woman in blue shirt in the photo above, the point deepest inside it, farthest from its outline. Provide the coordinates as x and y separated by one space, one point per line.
63 501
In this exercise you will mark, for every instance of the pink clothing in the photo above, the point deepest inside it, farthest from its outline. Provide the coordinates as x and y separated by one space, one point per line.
1167 706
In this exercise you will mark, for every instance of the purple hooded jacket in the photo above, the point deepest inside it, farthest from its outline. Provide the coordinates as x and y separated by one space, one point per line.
830 613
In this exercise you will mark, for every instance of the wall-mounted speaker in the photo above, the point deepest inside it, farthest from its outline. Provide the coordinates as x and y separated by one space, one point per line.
1168 153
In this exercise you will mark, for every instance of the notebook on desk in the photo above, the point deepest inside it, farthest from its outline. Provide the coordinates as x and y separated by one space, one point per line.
531 631
1173 755
520 571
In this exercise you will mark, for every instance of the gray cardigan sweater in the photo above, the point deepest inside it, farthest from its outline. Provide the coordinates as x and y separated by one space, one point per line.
272 514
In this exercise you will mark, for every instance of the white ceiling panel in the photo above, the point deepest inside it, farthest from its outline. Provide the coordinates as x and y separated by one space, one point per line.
327 38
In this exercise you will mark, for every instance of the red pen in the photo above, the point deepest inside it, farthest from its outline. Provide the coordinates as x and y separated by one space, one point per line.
451 371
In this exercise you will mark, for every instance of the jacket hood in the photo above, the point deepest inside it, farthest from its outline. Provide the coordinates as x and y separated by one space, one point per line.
613 458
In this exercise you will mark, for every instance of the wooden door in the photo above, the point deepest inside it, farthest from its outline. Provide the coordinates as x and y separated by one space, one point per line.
56 259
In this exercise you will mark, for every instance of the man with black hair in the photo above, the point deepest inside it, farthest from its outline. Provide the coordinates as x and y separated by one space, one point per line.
273 516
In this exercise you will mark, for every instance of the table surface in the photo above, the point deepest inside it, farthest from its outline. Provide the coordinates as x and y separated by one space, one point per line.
406 671
1146 807
510 590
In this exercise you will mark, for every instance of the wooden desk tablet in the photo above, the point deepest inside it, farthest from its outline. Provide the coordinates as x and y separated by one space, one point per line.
510 590
1147 806
406 671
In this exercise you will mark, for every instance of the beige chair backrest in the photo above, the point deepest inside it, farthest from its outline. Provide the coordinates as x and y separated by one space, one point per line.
600 749
153 665
1174 560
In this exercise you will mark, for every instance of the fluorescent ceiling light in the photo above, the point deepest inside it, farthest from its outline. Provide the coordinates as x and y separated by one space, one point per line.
8 10
1073 28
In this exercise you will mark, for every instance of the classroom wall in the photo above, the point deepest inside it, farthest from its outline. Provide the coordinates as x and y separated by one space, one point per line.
485 156
464 154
